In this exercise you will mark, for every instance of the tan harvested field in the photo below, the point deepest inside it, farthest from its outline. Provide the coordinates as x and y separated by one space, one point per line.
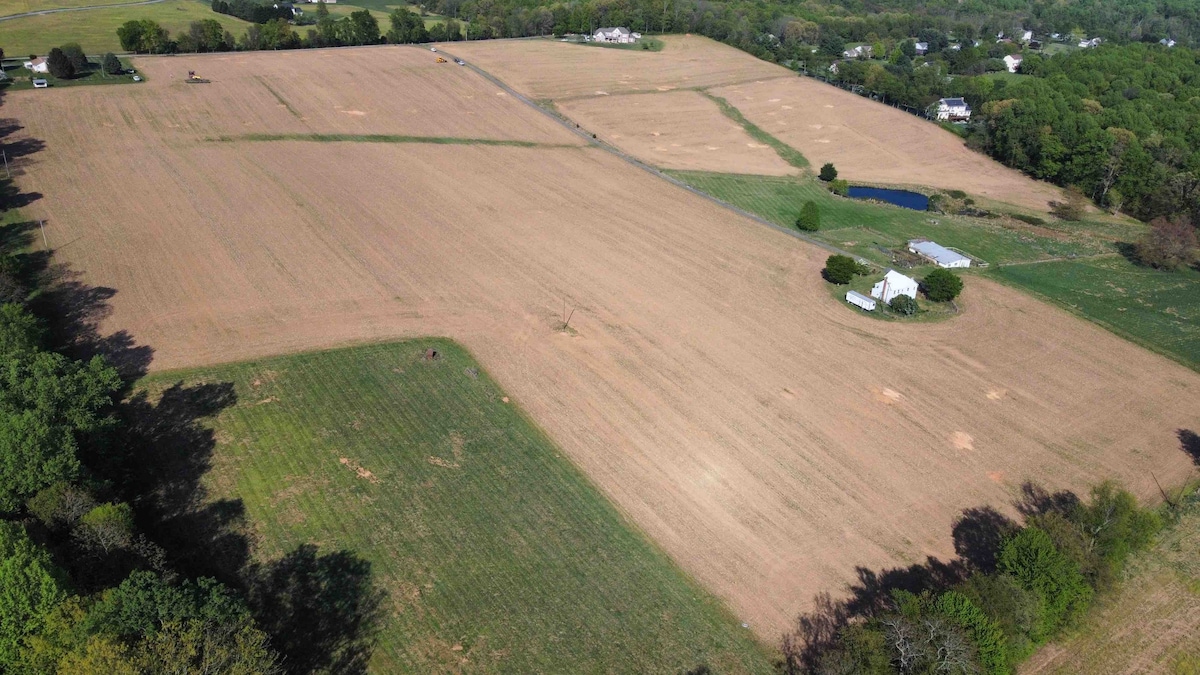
675 130
557 70
768 438
871 142
382 90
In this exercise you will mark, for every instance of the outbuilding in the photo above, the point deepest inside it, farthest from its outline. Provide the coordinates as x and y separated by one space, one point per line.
860 300
940 255
38 65
894 284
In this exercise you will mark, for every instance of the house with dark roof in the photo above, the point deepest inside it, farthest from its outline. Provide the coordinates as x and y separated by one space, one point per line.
953 110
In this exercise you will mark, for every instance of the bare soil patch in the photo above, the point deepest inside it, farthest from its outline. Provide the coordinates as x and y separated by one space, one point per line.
690 321
875 143
383 90
557 70
675 130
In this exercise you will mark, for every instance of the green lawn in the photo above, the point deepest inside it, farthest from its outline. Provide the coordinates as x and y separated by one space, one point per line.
10 7
491 545
786 152
20 78
1159 310
864 227
96 30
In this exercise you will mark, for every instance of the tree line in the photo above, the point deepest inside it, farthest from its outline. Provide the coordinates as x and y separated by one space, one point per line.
1017 587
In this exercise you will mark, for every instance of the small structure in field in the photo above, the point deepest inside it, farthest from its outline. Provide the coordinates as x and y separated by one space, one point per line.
1013 62
38 65
859 300
894 284
953 110
940 255
616 34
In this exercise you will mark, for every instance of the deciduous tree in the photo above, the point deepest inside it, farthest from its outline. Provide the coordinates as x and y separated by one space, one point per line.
1169 244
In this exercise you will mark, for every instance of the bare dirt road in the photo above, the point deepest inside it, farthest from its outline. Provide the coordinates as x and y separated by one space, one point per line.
768 438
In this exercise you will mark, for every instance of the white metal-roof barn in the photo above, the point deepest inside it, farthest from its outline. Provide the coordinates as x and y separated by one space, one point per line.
939 254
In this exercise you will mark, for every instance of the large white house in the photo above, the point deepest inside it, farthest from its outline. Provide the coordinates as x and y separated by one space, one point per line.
953 110
940 255
617 34
1013 62
861 51
38 65
894 284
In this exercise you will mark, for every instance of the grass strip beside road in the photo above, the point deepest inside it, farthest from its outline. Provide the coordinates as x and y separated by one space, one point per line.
786 152
496 552
384 138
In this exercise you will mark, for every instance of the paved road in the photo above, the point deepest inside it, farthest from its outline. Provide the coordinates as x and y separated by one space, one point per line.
77 9
571 126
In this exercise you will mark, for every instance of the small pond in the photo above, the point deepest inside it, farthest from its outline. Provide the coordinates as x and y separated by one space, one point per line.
909 200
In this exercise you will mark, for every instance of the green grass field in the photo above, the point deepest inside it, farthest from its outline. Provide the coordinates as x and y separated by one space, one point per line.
491 545
1159 310
96 30
10 7
786 152
864 227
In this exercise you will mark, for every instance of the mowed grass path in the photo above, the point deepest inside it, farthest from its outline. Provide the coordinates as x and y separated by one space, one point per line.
1158 310
96 29
496 553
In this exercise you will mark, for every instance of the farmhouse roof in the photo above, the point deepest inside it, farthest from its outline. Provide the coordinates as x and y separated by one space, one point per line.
894 277
38 61
936 252
1014 58
619 30
953 102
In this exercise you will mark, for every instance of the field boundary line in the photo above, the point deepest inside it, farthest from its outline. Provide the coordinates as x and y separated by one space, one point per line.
570 126
382 138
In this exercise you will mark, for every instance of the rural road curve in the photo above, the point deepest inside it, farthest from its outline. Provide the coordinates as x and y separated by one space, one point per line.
40 12
576 129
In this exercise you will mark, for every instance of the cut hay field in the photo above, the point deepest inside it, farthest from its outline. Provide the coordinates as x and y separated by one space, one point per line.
767 439
874 143
559 70
96 29
495 553
675 130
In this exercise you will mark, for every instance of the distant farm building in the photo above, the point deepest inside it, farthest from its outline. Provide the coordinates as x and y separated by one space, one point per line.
859 300
38 65
1167 42
618 34
1026 36
1013 62
940 255
922 48
859 52
1094 42
894 284
953 110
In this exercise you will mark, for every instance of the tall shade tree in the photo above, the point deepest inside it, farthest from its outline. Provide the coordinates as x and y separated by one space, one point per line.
30 587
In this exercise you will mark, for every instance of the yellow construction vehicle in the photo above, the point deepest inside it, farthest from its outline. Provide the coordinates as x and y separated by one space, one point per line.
193 78
441 60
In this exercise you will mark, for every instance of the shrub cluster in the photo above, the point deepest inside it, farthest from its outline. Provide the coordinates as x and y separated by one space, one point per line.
941 285
840 269
810 217
1045 577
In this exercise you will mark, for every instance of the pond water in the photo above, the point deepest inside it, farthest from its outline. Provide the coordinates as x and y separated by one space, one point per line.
909 200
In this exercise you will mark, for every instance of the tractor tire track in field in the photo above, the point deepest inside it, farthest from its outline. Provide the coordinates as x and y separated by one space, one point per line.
42 12
648 168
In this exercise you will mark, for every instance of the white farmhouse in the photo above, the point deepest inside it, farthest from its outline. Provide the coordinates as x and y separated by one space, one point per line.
859 300
1013 62
894 284
940 255
861 51
618 34
38 65
953 110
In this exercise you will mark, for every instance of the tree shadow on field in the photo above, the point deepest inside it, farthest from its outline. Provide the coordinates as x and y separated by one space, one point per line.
323 612
170 450
74 312
979 534
1189 441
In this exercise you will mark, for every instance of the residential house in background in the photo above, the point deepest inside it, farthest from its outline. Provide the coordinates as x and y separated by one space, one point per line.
922 48
1167 42
859 52
617 34
953 110
1013 62
38 65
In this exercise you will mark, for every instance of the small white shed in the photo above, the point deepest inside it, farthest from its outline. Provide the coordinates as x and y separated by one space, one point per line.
894 284
860 300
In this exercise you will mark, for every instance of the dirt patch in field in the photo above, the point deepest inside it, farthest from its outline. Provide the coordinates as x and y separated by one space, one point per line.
676 130
393 91
875 143
692 321
552 69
